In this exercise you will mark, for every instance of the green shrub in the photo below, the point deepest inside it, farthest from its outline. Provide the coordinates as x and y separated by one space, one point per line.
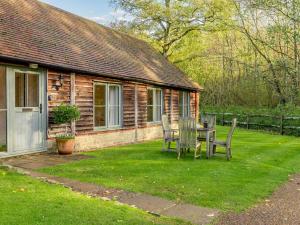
65 113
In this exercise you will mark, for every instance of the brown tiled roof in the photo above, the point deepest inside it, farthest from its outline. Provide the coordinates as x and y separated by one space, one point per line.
33 31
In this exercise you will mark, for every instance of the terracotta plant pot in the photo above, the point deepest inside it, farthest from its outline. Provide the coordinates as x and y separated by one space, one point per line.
65 146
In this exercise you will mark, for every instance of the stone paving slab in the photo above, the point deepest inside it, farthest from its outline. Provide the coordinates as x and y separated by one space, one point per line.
154 205
192 213
148 203
40 160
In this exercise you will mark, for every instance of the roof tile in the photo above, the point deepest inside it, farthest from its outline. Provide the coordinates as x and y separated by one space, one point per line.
37 32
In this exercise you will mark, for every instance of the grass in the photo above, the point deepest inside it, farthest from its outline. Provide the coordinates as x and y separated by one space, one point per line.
28 201
2 148
261 162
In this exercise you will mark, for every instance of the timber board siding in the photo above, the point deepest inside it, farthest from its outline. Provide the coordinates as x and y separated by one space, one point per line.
175 102
84 91
142 105
84 99
167 102
192 104
128 105
57 98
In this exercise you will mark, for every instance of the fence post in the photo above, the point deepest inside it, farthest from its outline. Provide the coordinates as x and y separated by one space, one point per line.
223 119
281 125
247 122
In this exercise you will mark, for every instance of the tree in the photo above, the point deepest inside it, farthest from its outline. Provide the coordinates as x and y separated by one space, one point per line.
271 26
165 23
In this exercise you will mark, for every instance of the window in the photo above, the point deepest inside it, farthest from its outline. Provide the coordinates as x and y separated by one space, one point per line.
154 105
107 105
26 90
3 109
184 104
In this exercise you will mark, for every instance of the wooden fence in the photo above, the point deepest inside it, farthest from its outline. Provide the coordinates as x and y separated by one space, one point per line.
284 125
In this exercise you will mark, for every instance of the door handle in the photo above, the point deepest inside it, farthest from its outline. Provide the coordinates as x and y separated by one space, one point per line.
41 108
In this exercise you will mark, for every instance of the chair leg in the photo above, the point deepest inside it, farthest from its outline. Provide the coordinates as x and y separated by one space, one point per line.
200 150
163 146
214 149
178 149
228 153
169 146
196 154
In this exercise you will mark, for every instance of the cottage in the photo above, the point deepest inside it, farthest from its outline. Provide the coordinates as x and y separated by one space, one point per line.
120 84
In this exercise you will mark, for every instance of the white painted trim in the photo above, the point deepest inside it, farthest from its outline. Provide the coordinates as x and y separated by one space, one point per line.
107 85
10 72
154 105
7 155
184 104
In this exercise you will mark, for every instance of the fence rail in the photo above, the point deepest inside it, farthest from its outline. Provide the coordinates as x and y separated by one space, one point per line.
284 125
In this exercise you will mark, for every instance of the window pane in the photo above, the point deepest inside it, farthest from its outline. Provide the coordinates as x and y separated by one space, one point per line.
158 113
32 90
114 106
158 97
99 116
158 105
114 118
2 131
150 113
100 95
3 88
114 96
20 89
150 97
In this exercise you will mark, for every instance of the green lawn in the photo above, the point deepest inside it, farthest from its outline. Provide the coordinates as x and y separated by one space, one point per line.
261 162
25 200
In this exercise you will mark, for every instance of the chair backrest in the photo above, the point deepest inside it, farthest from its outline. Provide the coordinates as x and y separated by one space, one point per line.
187 133
230 133
210 119
166 127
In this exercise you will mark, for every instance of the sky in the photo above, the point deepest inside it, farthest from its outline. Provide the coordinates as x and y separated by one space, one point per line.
100 11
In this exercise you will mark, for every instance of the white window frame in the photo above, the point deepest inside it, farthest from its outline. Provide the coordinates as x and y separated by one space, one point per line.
107 85
184 104
155 106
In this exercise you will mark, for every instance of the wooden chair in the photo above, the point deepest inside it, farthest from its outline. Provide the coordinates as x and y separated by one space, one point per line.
211 123
210 119
226 144
188 137
168 135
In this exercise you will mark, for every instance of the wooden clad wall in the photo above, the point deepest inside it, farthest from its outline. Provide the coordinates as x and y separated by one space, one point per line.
167 102
84 100
175 100
57 98
128 105
84 87
193 104
142 105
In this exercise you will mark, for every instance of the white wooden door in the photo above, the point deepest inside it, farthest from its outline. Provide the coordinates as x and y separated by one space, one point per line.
26 122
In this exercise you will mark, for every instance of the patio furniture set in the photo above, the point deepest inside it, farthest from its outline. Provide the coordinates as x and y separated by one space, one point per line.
190 135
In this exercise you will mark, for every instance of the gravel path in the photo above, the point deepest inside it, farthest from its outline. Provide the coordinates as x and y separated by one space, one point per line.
282 208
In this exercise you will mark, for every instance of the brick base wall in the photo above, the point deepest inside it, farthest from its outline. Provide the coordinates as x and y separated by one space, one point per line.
113 138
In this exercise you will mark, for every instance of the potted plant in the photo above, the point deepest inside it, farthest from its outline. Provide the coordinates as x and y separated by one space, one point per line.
65 114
